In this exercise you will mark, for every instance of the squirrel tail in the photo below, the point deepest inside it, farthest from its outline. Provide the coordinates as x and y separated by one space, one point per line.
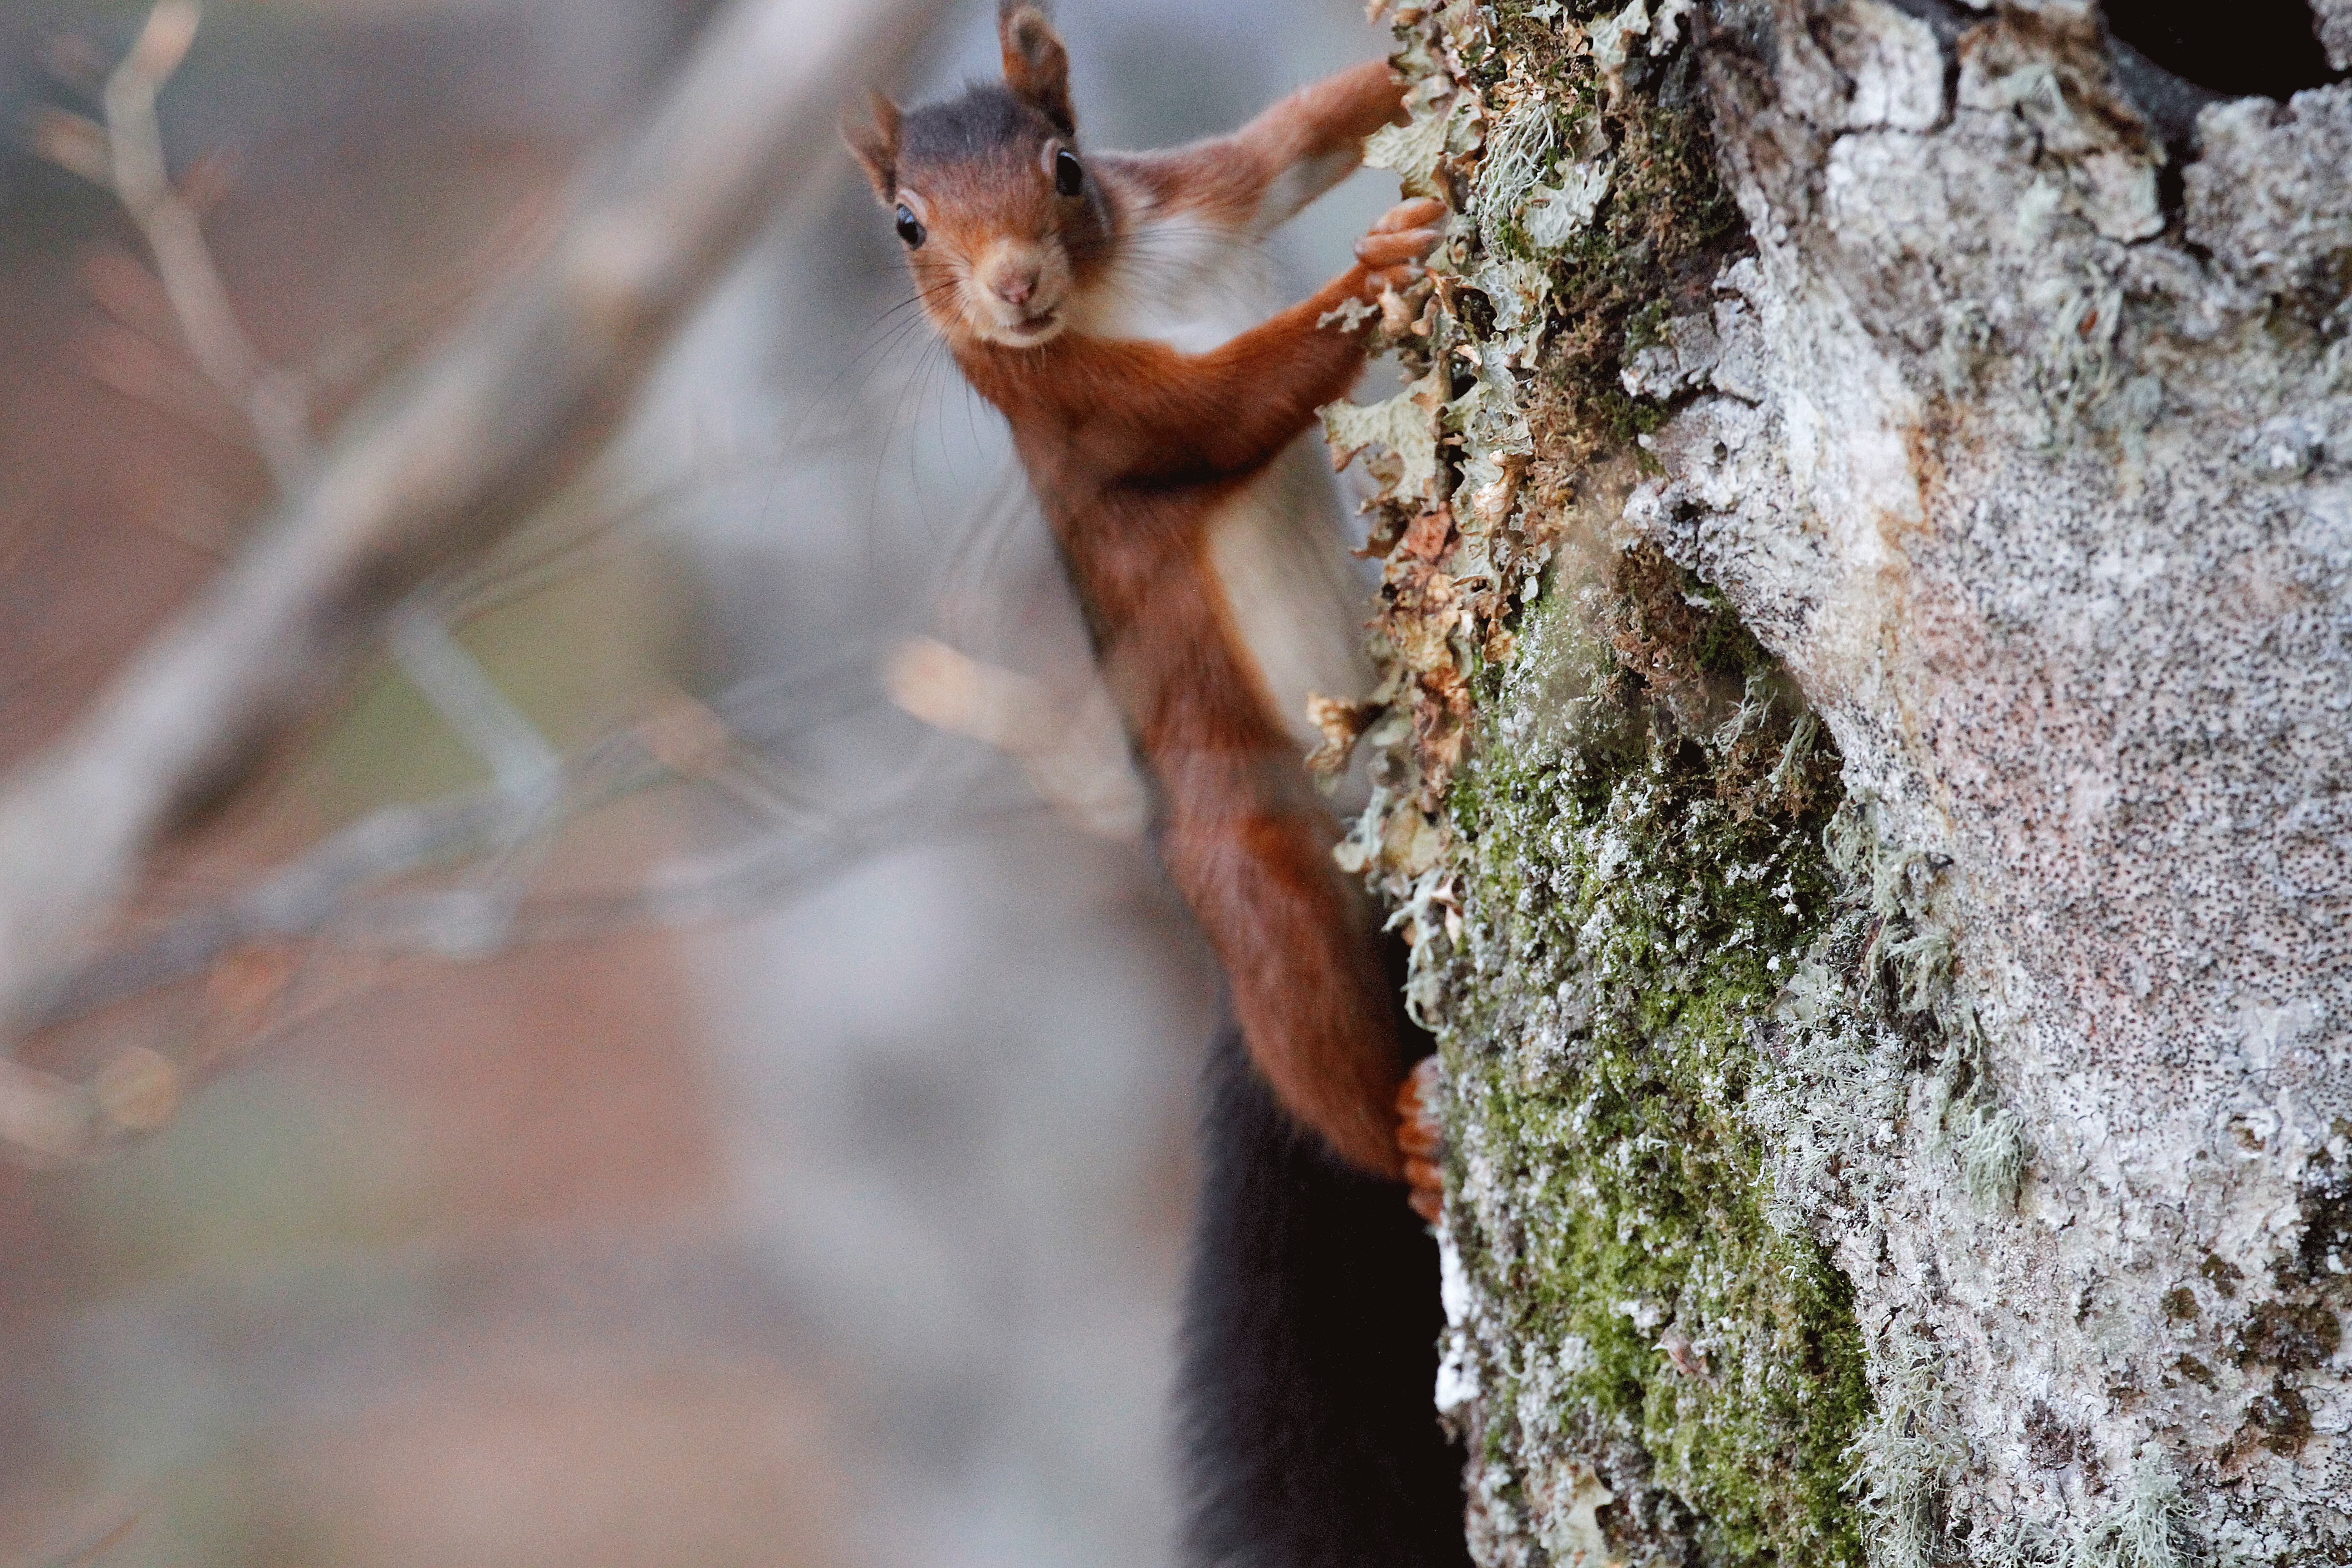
1310 1356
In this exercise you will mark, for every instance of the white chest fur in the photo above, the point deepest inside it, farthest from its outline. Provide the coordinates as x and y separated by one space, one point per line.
1277 547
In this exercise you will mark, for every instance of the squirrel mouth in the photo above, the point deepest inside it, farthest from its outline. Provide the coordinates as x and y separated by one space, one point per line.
1032 329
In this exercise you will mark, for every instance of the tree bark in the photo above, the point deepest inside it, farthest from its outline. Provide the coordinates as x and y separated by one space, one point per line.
1865 766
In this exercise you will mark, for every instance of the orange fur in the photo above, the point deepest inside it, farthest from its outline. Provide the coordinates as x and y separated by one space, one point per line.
1231 176
1132 446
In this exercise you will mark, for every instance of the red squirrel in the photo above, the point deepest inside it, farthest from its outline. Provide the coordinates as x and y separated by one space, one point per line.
1058 279
1071 290
1050 273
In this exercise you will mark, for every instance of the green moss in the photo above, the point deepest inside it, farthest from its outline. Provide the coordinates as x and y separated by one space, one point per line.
1642 872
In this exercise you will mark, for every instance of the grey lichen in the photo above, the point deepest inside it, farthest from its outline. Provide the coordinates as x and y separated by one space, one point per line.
2148 1526
1992 1156
1903 1459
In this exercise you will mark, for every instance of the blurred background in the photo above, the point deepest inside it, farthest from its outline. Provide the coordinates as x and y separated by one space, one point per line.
829 1212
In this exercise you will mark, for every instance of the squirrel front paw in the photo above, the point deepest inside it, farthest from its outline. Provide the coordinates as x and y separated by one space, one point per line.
1392 251
1421 1139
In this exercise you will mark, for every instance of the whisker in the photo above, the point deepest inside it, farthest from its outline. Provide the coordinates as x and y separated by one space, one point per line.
883 335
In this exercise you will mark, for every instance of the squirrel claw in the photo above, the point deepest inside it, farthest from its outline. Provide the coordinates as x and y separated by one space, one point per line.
1421 1139
1392 251
1418 213
1391 248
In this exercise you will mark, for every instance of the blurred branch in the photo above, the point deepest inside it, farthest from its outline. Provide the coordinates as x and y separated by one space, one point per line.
126 156
430 472
519 756
1077 757
272 402
359 889
99 1544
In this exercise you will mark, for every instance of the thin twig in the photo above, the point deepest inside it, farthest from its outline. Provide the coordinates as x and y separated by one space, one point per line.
519 756
272 401
355 889
100 1542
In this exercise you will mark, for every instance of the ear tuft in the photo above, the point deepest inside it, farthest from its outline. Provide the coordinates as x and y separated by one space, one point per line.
873 136
1036 66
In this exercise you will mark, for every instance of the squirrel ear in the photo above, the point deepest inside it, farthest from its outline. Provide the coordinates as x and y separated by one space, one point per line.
1036 66
873 136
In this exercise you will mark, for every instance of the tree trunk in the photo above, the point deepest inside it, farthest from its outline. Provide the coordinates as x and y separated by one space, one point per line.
1866 765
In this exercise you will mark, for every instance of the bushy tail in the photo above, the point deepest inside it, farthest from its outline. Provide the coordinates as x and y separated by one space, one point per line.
1309 1357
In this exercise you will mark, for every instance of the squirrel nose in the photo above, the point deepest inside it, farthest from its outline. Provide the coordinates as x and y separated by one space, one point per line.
1015 286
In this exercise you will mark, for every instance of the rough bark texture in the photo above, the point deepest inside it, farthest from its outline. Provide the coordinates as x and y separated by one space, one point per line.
1865 763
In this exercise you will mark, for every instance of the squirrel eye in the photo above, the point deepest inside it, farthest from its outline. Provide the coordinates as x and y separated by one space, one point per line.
1069 176
910 228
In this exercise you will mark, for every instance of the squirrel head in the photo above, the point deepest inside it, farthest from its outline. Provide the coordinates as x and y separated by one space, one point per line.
1003 222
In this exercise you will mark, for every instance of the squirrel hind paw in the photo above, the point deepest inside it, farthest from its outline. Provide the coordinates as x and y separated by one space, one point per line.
1421 1139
